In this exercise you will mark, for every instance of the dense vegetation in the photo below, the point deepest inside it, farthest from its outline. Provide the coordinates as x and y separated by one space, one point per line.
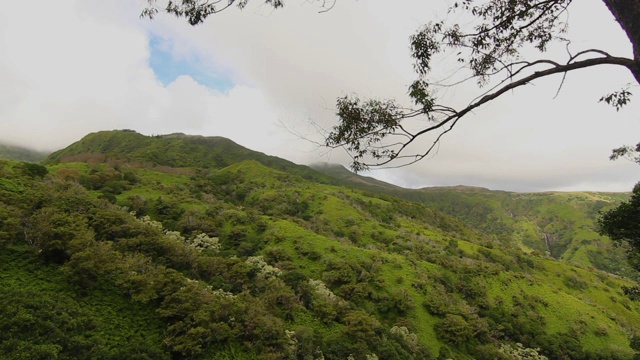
110 256
562 225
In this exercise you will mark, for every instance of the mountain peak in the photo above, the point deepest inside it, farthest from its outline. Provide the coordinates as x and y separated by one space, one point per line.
175 150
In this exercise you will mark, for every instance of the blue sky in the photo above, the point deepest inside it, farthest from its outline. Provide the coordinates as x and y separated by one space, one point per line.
167 66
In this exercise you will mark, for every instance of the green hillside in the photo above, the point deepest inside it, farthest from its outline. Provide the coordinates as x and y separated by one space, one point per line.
173 150
110 256
10 152
341 173
561 224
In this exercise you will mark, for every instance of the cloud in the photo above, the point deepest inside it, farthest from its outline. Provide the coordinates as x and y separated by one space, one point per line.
257 76
69 77
86 68
167 67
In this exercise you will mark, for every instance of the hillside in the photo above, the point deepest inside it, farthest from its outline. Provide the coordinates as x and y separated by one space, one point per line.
107 255
11 152
173 150
562 224
347 177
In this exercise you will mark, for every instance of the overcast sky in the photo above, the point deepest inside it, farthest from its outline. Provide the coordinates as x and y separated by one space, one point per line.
258 77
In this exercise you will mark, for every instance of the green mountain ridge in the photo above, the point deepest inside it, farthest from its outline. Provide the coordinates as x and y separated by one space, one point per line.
543 222
340 172
124 246
173 150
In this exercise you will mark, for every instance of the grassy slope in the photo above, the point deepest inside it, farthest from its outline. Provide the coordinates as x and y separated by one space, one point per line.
410 249
175 150
602 305
346 227
562 224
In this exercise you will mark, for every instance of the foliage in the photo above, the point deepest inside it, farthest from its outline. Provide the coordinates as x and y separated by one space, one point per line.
563 225
196 11
489 47
631 153
43 318
621 224
223 267
519 352
43 327
617 99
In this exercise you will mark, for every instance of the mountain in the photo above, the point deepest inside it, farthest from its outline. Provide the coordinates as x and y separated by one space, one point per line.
173 150
126 246
11 152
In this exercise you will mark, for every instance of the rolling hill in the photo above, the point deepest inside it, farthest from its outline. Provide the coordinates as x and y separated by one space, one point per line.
178 247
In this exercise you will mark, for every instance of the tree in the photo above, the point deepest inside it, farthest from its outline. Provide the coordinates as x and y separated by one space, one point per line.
623 224
631 153
196 11
491 54
375 131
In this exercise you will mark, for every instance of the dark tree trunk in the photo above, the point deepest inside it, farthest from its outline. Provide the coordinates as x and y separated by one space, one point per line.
627 13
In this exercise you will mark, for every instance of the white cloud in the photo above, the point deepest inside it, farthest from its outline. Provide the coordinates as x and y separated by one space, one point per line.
81 66
85 68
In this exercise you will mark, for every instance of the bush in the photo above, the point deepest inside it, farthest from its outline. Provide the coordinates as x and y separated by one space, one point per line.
34 325
34 170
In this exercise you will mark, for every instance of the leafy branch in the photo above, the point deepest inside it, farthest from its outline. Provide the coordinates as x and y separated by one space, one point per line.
365 125
197 11
490 52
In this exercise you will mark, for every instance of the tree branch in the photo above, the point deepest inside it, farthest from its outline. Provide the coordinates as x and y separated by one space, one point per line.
454 117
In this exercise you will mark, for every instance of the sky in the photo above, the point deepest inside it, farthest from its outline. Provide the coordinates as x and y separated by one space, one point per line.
266 79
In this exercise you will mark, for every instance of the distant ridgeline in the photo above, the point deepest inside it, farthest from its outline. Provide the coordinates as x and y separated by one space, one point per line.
11 152
184 247
561 224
